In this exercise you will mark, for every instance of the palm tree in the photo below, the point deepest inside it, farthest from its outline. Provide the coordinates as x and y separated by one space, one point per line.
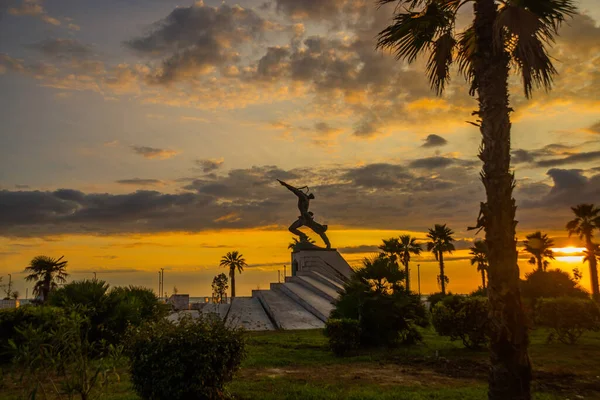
391 248
407 245
298 244
504 33
540 247
479 252
587 220
234 261
441 242
47 272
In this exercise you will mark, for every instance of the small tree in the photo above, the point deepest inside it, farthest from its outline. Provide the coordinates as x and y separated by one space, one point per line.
219 287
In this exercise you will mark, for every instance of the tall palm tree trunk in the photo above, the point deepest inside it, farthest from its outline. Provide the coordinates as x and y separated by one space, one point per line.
442 276
483 278
593 268
407 277
510 372
232 276
540 265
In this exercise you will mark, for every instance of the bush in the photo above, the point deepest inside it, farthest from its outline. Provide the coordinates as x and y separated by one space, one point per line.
464 318
552 283
375 296
568 318
110 311
480 292
189 360
12 321
435 298
343 334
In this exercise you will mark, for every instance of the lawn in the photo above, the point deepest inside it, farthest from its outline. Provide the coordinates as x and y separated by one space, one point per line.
298 365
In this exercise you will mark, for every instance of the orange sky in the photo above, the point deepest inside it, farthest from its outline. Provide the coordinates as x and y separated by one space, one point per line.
191 260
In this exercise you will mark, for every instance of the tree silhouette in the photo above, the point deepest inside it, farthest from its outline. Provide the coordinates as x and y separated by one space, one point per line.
219 287
408 245
540 247
503 34
440 242
46 272
479 256
297 244
585 223
234 261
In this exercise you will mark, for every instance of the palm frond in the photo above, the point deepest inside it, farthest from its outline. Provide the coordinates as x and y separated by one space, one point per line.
467 47
414 32
440 59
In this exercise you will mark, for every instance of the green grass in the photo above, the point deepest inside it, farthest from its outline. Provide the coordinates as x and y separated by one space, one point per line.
298 365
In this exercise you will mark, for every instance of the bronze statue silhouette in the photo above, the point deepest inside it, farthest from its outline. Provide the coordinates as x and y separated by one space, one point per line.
306 217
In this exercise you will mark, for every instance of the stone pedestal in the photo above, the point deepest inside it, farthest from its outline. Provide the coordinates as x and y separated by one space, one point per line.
325 261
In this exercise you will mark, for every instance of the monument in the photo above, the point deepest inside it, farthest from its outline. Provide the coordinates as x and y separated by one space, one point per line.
305 299
307 256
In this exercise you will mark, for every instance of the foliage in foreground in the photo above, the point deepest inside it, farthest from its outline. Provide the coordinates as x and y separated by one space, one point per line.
343 334
385 311
110 311
192 359
464 318
568 318
61 360
13 321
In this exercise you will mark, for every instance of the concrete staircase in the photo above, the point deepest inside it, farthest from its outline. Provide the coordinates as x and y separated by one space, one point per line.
303 301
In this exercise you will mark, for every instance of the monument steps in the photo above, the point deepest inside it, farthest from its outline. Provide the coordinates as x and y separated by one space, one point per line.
248 313
333 283
315 286
312 302
285 312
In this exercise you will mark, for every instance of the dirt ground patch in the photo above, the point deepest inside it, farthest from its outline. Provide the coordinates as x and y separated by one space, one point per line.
357 374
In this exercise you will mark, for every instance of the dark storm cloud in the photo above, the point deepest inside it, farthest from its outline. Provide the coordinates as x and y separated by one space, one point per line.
570 187
207 166
62 48
375 196
140 182
572 159
434 141
432 162
191 40
520 156
378 176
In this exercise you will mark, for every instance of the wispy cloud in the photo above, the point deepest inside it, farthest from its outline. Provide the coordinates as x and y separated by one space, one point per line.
154 153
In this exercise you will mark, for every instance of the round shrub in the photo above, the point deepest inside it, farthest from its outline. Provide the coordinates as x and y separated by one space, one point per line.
464 318
343 334
192 359
567 318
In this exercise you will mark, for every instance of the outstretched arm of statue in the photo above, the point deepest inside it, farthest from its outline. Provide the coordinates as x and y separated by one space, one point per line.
296 191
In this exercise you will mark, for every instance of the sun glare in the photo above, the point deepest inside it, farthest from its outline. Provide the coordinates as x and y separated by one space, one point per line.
568 250
569 254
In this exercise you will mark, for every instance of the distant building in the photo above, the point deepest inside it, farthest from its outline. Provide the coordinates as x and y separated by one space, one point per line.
179 301
9 304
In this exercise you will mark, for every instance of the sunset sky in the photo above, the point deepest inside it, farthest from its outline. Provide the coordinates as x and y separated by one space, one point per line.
145 134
